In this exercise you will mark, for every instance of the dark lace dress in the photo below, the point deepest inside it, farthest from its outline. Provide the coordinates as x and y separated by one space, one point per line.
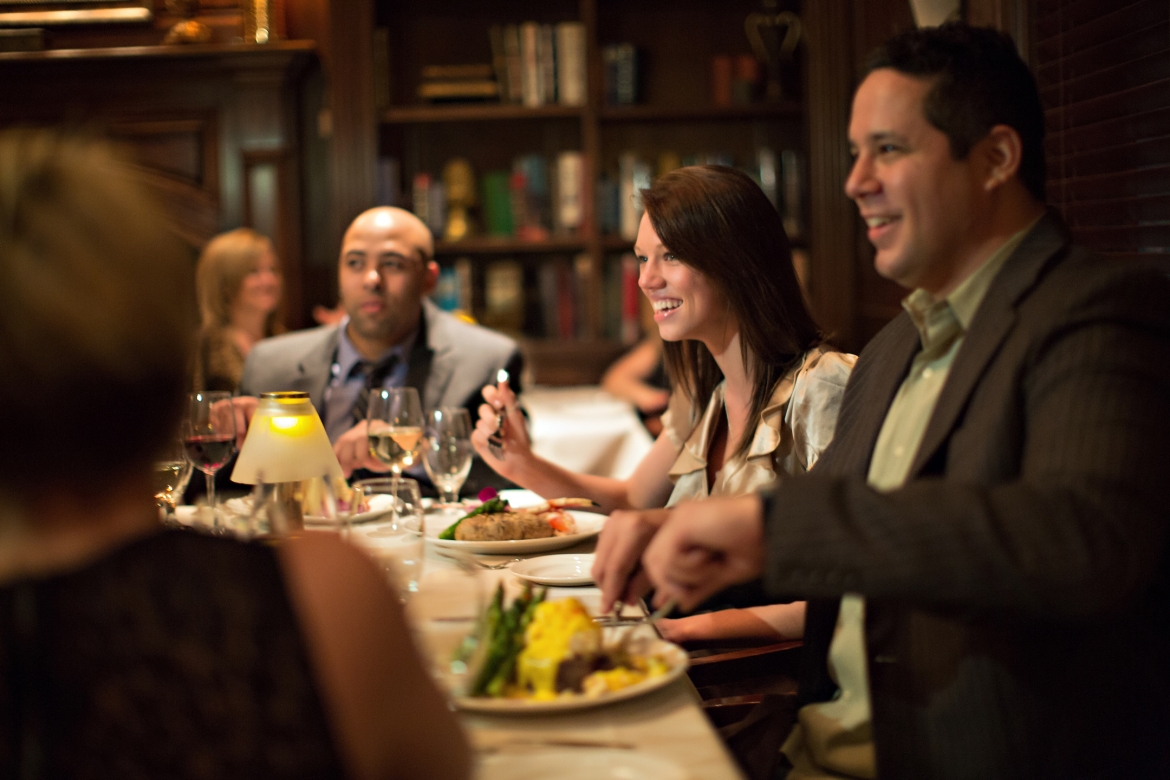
178 656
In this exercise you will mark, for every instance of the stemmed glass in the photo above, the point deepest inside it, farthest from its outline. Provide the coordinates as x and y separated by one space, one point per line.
172 472
447 451
395 429
209 435
398 546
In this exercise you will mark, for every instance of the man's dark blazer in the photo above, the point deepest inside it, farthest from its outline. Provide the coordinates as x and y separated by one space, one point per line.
1016 587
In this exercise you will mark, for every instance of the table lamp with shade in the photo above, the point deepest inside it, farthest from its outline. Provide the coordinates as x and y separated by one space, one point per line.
286 444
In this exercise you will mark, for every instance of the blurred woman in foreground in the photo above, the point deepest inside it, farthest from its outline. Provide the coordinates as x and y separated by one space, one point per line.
238 285
755 394
128 651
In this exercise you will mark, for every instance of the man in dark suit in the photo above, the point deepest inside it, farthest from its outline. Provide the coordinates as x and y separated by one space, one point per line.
983 546
391 336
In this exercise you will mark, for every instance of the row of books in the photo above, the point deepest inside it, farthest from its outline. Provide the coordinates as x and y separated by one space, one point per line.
560 306
532 201
536 199
540 64
781 177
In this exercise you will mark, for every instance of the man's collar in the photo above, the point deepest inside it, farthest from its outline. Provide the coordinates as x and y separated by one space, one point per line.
348 355
925 310
965 298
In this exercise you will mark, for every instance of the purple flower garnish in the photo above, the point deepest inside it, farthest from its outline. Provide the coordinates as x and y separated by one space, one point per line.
487 494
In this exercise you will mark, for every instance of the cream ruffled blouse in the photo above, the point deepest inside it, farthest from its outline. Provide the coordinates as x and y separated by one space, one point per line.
796 426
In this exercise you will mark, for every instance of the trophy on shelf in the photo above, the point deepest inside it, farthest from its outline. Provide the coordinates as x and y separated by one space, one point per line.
773 36
459 181
186 30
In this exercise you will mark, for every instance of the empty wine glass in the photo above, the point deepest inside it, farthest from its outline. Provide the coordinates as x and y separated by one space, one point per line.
172 472
395 429
398 544
447 451
209 436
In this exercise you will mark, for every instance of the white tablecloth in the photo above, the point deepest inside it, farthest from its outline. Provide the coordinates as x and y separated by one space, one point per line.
586 430
667 724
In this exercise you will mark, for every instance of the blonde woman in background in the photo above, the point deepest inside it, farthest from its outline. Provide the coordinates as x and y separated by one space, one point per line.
239 289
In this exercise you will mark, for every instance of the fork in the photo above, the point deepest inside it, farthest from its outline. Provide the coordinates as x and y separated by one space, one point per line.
496 440
614 619
463 559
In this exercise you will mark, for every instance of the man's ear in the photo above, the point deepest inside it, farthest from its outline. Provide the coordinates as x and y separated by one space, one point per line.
1002 151
430 277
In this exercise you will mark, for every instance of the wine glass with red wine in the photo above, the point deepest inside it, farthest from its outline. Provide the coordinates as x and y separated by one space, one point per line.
209 435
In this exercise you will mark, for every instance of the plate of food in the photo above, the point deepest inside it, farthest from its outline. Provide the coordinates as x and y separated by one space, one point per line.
560 570
495 527
538 655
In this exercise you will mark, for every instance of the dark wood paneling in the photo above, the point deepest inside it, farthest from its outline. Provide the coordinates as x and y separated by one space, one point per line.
1125 129
1129 211
1134 154
1117 106
354 141
189 116
1084 62
1076 26
1121 184
1105 73
832 282
1126 74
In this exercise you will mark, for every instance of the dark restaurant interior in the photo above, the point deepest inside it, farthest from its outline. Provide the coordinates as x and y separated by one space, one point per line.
438 287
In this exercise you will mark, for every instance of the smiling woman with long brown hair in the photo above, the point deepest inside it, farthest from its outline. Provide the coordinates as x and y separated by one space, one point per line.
755 395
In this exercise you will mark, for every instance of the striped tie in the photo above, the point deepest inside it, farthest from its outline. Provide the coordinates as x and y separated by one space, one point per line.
376 374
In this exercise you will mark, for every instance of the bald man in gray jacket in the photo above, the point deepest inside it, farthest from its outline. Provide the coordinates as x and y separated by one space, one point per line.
391 336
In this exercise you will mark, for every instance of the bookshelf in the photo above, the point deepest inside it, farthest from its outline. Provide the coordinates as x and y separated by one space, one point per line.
675 113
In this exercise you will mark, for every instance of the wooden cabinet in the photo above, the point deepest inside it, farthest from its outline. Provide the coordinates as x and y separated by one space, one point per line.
213 129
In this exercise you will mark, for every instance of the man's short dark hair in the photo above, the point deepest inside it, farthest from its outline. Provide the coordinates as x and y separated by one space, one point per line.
979 82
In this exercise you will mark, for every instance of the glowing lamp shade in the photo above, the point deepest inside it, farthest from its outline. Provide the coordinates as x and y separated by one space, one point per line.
286 442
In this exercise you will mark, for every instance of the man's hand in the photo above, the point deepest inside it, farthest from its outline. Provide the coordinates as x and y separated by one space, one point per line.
619 551
704 547
353 451
517 447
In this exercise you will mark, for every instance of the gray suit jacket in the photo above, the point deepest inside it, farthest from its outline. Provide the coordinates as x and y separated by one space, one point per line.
449 365
1018 602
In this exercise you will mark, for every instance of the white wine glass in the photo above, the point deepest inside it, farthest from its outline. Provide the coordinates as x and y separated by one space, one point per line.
209 436
447 451
395 428
172 472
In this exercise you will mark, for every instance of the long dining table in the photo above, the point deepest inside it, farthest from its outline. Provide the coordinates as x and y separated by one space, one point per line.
663 727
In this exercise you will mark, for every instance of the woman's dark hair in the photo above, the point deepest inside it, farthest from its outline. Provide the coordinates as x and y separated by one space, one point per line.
94 317
979 82
719 222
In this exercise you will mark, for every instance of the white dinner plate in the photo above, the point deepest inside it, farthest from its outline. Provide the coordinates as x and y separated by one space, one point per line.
360 517
563 570
588 525
577 763
675 657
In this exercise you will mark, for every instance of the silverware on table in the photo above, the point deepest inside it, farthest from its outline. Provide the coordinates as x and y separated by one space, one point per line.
614 618
464 560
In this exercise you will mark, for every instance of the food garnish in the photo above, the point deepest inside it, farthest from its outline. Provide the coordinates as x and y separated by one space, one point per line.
543 650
